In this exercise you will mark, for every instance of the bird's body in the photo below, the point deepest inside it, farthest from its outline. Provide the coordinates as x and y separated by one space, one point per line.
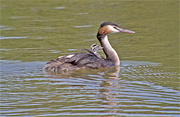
84 60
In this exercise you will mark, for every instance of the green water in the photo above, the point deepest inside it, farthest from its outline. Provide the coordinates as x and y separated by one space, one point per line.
33 32
49 28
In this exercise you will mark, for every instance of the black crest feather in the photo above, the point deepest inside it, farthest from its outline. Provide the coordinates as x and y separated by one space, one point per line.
108 23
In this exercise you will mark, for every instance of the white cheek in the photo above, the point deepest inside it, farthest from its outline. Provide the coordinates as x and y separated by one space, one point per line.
112 29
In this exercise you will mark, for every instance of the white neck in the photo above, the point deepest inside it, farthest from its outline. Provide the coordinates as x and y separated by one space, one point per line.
109 51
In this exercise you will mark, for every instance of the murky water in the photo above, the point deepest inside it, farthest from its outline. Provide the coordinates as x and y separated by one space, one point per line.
33 32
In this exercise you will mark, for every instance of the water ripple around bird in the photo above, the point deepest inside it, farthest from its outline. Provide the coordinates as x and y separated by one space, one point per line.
30 91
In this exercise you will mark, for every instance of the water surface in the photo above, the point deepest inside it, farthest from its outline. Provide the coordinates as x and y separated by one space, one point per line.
34 32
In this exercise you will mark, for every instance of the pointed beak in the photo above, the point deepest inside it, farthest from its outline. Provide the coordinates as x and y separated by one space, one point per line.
124 30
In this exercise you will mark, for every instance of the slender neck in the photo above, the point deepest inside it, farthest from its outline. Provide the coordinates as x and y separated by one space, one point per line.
108 50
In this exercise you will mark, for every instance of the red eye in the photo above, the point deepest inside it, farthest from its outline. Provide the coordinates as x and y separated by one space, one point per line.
115 27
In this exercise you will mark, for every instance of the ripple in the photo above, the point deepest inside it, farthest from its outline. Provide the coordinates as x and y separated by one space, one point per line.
72 49
5 28
86 92
15 17
5 49
83 26
60 8
54 51
2 26
2 38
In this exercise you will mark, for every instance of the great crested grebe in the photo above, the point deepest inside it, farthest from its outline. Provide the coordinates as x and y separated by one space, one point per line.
87 60
93 50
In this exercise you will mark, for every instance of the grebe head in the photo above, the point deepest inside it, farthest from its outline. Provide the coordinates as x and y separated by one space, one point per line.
108 27
94 48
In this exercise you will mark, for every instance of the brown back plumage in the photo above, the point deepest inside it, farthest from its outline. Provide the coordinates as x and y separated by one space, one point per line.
76 61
